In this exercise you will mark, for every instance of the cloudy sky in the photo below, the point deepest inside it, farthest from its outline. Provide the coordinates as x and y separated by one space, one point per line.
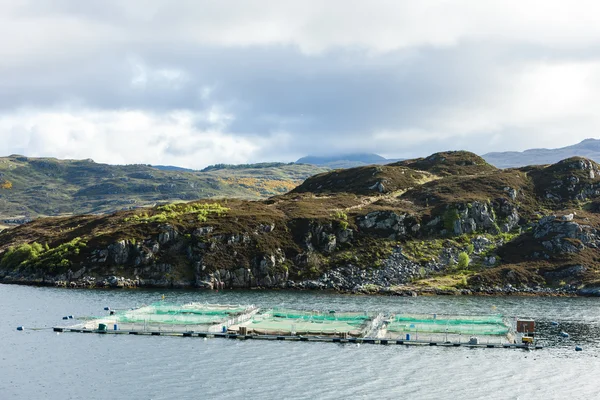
198 82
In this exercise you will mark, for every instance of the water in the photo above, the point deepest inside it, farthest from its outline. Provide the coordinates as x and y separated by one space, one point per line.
47 365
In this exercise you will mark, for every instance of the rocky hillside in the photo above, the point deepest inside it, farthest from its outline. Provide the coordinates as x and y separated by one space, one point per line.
449 223
32 187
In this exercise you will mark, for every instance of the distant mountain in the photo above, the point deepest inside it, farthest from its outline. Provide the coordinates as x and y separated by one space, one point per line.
589 148
345 160
172 168
217 167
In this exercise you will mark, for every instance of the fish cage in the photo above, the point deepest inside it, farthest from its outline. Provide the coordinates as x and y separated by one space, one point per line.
172 317
448 328
280 321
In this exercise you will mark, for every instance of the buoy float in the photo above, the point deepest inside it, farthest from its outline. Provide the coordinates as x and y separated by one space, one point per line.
65 317
70 317
554 323
578 348
106 308
564 334
20 328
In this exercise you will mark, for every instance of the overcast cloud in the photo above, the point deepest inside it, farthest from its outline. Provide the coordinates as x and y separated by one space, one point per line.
193 83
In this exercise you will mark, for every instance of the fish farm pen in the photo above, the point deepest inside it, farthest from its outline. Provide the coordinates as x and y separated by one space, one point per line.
453 328
297 322
159 317
249 322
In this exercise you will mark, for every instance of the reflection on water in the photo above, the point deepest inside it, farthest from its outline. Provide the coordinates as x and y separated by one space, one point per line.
42 364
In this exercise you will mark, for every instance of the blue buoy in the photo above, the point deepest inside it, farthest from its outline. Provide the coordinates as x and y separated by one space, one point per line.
578 348
564 334
70 317
554 323
65 317
106 308
20 328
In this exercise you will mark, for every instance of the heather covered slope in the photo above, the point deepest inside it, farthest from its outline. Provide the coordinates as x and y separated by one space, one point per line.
450 163
448 223
365 180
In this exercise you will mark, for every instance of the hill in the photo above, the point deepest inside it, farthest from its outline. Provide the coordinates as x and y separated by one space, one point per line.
345 160
589 148
32 187
172 168
449 223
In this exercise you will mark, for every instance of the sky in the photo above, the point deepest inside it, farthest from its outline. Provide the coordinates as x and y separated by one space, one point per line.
194 83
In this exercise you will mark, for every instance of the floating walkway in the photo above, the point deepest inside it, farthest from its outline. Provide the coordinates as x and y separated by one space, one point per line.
364 340
248 323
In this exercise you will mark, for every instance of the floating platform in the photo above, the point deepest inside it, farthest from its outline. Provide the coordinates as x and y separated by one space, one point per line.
248 323
363 340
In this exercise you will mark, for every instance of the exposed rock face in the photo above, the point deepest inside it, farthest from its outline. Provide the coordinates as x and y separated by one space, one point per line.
203 231
397 269
564 235
321 237
512 193
585 165
168 234
475 217
118 253
378 186
574 179
384 223
267 271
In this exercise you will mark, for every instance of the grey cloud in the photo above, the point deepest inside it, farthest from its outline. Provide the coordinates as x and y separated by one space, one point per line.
336 99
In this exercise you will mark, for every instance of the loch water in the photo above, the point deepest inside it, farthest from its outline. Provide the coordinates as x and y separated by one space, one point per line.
42 364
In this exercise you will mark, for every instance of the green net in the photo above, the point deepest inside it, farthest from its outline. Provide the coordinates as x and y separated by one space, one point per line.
300 322
197 309
321 316
431 323
188 314
450 319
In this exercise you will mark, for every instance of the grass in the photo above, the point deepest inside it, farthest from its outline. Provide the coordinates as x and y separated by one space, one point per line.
169 212
37 256
448 282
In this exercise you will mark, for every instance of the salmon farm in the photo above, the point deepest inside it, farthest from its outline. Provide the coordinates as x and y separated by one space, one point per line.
248 322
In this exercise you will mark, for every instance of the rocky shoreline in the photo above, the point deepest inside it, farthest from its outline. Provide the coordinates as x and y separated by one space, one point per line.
114 282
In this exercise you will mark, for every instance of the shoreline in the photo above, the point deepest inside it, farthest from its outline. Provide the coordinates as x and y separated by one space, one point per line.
401 291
